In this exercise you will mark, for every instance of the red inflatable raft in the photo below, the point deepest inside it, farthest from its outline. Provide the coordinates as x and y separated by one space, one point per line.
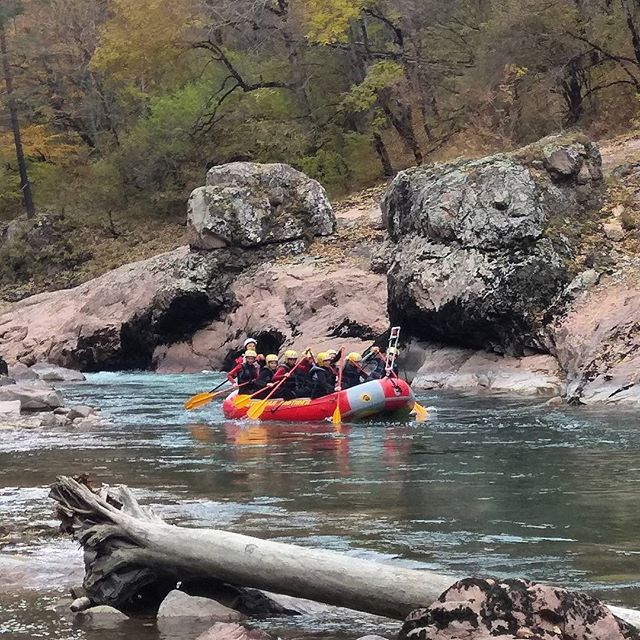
389 397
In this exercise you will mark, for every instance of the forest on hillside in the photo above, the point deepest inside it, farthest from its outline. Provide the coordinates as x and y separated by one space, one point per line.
123 104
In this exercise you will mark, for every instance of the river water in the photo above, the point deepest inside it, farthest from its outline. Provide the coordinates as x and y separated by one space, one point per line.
485 487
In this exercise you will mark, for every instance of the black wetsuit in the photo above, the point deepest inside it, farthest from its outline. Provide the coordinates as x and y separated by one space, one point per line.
248 374
352 375
264 378
323 381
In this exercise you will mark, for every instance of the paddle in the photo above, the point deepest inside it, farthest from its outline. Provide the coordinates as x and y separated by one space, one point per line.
199 400
421 413
336 418
244 400
257 410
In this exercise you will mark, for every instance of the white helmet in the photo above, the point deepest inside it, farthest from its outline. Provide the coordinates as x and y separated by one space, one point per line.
249 341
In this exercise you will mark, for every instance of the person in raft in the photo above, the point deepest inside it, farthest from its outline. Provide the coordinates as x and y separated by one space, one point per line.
246 372
375 362
295 385
265 377
322 376
352 373
250 344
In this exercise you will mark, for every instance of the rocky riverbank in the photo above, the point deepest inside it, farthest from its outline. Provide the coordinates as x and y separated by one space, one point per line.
515 273
28 399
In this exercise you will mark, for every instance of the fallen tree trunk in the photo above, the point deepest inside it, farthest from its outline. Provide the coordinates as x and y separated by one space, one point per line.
133 558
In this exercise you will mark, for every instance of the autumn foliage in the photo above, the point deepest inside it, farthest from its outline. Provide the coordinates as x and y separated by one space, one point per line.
125 103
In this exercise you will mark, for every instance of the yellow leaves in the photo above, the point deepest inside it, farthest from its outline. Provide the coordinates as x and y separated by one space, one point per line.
40 145
143 40
381 75
328 21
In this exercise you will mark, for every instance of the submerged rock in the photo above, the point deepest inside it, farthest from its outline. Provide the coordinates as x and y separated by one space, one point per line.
101 617
478 261
226 631
246 204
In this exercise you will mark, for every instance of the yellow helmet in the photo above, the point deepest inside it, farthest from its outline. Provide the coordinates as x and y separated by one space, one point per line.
331 353
272 357
290 354
250 353
322 357
354 356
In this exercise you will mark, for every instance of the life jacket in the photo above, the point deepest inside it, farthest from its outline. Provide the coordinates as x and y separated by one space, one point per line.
352 376
248 373
323 381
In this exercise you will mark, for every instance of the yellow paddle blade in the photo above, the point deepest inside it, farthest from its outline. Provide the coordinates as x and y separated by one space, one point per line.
241 401
336 418
421 413
198 401
257 410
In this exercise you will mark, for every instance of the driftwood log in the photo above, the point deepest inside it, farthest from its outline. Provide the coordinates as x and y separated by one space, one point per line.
133 559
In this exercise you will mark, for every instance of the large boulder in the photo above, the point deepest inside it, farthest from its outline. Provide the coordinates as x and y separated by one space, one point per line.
477 609
478 260
245 204
32 396
52 373
178 606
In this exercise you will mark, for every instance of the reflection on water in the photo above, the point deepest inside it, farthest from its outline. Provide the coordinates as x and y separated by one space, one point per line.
485 487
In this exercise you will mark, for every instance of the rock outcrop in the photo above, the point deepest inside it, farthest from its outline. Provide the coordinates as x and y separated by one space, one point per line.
598 343
456 369
297 305
116 320
245 204
478 261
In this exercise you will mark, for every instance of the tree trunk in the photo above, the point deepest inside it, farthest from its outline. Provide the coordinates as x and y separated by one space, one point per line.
383 154
25 185
129 552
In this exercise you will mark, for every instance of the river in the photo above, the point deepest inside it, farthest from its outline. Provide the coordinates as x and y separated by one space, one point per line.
485 487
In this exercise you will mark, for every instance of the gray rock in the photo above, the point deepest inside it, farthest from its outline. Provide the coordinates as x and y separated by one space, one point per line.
246 204
178 605
372 638
9 409
52 420
52 373
80 604
80 411
32 396
21 372
564 162
4 369
6 380
614 231
226 631
101 617
478 260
